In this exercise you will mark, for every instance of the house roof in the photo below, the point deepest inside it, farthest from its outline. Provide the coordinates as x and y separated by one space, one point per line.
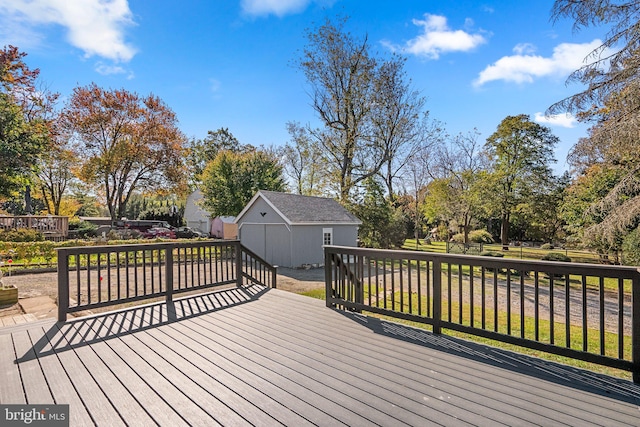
297 209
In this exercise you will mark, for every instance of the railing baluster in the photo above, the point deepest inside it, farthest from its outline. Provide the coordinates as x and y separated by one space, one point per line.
419 287
567 311
585 340
449 296
620 318
601 313
78 281
495 299
509 301
522 311
471 290
536 305
460 294
552 316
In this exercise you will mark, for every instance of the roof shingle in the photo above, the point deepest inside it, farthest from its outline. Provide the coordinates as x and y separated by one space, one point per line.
307 209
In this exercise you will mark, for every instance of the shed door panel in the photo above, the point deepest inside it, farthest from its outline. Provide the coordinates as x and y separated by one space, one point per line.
253 237
278 246
269 241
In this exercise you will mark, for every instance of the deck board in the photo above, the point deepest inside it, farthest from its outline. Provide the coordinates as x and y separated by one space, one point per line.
266 357
11 385
519 403
60 384
31 372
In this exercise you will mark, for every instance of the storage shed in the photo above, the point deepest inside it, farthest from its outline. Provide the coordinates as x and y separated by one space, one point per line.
224 227
289 230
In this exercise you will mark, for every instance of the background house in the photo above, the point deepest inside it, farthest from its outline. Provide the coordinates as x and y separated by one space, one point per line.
289 230
194 215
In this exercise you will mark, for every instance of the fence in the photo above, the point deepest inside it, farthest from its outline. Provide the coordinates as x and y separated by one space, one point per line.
100 276
464 248
583 311
52 227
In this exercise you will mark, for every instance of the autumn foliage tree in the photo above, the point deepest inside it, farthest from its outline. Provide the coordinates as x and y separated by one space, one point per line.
24 124
124 142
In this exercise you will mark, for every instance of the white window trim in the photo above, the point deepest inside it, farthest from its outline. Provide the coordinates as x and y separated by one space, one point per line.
328 231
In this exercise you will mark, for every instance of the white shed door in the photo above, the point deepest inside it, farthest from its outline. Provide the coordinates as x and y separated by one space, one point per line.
269 241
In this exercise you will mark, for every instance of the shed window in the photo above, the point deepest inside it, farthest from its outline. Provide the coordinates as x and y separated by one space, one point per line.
327 236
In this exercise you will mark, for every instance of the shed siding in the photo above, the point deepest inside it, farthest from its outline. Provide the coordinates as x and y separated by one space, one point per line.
308 239
253 214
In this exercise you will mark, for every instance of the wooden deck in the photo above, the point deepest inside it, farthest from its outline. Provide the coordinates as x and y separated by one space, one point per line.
257 356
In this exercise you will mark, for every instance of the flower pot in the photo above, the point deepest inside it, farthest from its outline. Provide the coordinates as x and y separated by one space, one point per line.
8 295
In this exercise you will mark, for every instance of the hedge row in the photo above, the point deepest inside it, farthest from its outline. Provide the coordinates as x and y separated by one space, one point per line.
27 253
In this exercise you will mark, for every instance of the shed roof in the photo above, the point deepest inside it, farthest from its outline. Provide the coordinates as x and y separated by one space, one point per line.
297 209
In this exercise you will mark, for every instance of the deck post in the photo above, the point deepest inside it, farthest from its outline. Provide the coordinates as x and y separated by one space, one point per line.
274 276
437 296
238 257
327 277
635 327
168 274
63 285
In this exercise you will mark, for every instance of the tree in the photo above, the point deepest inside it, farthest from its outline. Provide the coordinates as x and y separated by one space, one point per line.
202 151
368 111
542 216
398 122
20 145
520 152
615 64
55 174
612 104
303 162
124 142
24 131
382 225
340 70
417 176
458 166
233 178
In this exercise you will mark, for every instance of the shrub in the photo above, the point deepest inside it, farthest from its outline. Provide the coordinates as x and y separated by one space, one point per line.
86 229
459 238
124 234
493 254
556 256
480 236
21 235
547 246
631 248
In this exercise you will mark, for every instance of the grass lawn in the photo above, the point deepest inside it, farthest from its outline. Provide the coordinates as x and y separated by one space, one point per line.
514 252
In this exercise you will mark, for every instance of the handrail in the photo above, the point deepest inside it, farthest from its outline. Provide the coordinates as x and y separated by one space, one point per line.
93 277
584 311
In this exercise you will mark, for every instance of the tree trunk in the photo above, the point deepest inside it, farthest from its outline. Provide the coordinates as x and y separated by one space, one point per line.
504 232
28 209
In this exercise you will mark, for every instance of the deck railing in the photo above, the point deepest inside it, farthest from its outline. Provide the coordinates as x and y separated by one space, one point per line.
582 311
51 226
94 277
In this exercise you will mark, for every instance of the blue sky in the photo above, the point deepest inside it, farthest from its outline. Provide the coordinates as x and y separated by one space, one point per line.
229 63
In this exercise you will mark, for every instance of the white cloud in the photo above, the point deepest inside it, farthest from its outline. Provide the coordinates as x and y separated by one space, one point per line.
438 38
524 66
273 7
94 26
215 85
562 120
105 69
